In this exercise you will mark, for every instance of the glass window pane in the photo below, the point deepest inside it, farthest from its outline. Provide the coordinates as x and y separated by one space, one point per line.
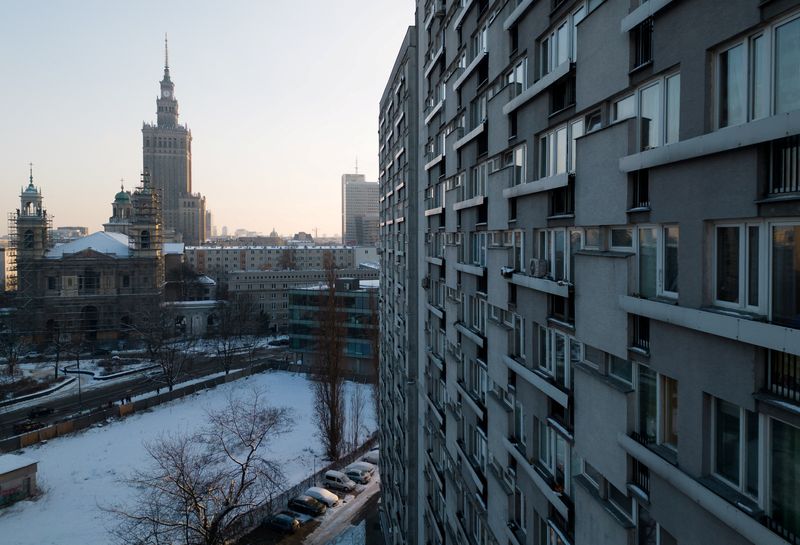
650 116
592 237
559 242
732 86
786 275
563 44
785 465
647 262
647 404
624 108
620 368
671 259
726 441
751 453
728 264
752 265
577 132
647 528
561 150
669 411
560 357
787 60
760 71
622 238
673 108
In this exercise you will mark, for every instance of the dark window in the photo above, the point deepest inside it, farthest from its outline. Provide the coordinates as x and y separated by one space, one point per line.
593 121
126 281
640 189
145 240
562 309
514 32
51 282
562 95
642 43
27 240
512 125
562 201
641 332
785 175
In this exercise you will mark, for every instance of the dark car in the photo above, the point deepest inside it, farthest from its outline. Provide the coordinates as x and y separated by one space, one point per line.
26 426
307 505
283 522
278 342
36 412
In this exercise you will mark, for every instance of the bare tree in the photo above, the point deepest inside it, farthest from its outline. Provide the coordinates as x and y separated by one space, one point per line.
12 342
286 260
154 325
329 410
173 358
200 489
356 415
236 319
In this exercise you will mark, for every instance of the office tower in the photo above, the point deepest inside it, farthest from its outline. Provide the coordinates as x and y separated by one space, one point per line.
359 211
610 270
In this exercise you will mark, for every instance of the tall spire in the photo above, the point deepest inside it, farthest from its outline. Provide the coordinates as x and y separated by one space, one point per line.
166 57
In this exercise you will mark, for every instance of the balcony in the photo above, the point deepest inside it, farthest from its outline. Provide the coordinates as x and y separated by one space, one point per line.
433 157
542 382
783 376
463 13
555 498
470 136
546 285
785 176
432 107
480 54
538 186
432 10
521 7
540 86
737 328
640 14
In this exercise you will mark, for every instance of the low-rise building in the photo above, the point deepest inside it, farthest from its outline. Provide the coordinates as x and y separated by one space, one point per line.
270 289
357 306
17 478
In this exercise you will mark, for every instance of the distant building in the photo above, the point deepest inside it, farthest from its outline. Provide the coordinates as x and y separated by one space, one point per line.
301 239
94 287
17 478
269 290
167 154
357 302
68 233
219 262
359 211
6 270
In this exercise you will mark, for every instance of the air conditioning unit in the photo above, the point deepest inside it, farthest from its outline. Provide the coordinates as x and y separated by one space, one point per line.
540 267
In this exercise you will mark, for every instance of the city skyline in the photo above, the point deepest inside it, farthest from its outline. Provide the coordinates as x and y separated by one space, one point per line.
89 82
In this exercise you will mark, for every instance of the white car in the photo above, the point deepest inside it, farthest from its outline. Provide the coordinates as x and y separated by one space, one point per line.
361 476
371 457
325 496
363 466
338 481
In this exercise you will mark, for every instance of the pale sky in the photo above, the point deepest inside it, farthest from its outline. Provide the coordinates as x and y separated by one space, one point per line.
280 95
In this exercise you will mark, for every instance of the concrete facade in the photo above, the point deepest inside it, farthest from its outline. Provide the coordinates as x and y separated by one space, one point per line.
399 203
609 347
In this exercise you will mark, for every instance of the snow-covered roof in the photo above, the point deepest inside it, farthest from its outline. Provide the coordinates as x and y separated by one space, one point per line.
204 279
173 248
369 265
115 244
13 462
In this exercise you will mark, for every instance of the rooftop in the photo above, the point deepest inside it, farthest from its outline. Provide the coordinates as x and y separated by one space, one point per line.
12 462
114 244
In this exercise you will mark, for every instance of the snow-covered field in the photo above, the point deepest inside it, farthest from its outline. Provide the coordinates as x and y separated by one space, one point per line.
80 473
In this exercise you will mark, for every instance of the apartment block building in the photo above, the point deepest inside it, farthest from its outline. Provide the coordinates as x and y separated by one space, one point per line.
609 334
219 262
359 211
269 290
401 297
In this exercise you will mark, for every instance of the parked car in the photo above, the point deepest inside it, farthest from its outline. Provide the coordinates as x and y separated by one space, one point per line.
283 522
308 505
278 342
372 456
26 426
323 495
37 412
366 466
337 480
360 476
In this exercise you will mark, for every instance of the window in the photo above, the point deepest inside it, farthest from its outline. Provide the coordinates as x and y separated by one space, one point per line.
735 446
737 275
658 261
518 250
553 152
594 121
562 201
519 509
558 353
620 501
758 76
477 180
518 77
553 246
478 242
785 279
554 455
640 189
621 238
594 476
517 160
560 44
784 471
620 368
642 43
592 237
562 94
624 108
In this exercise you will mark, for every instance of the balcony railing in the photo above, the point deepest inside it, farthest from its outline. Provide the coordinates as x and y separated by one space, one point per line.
641 476
779 529
785 175
641 333
783 377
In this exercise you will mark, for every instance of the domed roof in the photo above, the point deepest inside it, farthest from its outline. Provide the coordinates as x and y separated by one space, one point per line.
122 196
30 190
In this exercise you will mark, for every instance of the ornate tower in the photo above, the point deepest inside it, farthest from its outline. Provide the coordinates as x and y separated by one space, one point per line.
122 210
32 223
145 223
167 154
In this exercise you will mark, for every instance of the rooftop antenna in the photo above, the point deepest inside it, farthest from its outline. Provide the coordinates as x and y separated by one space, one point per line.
122 184
166 52
356 164
30 166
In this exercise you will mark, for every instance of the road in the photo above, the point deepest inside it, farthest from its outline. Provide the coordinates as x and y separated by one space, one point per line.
66 404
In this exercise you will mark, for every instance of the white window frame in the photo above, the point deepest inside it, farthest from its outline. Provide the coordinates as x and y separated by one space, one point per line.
546 339
548 141
764 241
763 453
570 22
659 404
548 251
634 241
768 32
661 291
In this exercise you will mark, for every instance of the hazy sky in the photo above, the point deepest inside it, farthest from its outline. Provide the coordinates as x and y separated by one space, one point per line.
280 95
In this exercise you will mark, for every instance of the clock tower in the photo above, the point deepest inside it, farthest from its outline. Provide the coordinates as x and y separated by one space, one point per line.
167 105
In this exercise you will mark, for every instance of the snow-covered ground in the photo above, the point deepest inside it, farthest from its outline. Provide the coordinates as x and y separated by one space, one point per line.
80 473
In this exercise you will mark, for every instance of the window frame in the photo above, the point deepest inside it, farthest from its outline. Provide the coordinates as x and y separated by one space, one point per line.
743 269
741 486
768 33
660 271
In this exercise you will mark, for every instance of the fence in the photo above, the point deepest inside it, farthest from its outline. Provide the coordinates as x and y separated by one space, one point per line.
254 519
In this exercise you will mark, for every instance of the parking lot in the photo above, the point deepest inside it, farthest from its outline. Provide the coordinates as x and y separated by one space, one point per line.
353 508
